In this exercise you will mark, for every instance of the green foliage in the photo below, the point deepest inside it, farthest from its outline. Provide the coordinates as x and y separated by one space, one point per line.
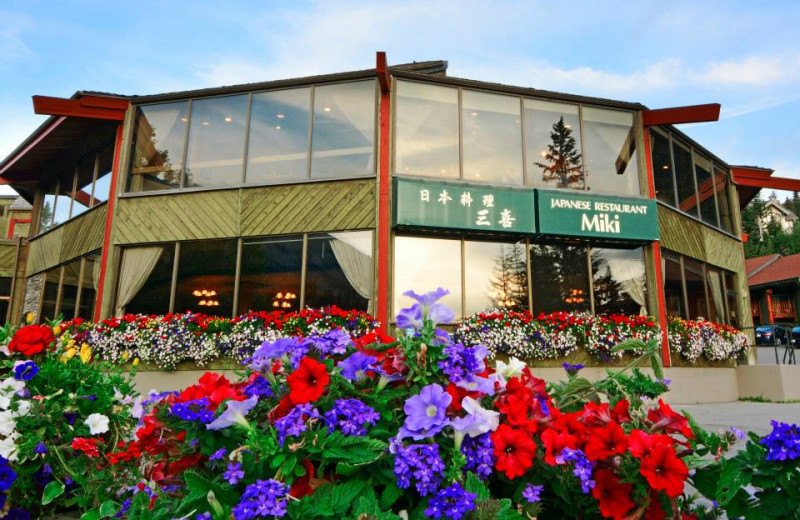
770 238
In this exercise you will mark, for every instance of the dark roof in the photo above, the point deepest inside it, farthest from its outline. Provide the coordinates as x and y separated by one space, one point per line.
783 268
19 204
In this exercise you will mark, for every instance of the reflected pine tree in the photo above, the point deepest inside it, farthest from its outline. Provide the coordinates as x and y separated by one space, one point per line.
609 295
46 218
509 280
560 278
563 164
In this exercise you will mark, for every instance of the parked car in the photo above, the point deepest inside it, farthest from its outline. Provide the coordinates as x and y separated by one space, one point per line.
771 334
796 336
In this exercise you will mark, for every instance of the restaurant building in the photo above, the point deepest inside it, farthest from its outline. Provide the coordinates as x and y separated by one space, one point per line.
348 189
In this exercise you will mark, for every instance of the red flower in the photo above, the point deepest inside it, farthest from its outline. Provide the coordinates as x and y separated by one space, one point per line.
595 415
215 387
32 339
621 412
664 418
302 485
606 442
308 382
554 444
514 450
458 394
87 446
664 470
641 444
613 496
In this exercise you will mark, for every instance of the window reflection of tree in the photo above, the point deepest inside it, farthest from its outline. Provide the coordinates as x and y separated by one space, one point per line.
509 282
564 164
560 278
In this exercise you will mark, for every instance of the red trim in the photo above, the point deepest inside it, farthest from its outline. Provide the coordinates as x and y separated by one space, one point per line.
382 305
32 144
109 219
662 301
13 223
90 107
678 115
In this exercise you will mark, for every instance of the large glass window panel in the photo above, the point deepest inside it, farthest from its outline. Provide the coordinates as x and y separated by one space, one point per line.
278 148
50 294
426 130
102 185
339 270
495 276
82 196
145 280
491 128
673 286
662 167
695 289
687 196
705 190
343 143
425 264
69 289
206 277
216 142
723 200
63 201
731 294
559 278
716 295
553 145
270 274
158 146
88 286
619 282
610 151
46 215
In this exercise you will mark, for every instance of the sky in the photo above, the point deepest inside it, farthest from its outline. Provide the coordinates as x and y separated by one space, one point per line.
742 54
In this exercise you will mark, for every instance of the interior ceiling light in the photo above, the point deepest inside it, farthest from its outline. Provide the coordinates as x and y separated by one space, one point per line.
281 116
228 119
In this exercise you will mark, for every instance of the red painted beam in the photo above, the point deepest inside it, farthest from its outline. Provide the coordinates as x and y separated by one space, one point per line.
678 115
74 108
773 183
382 304
104 102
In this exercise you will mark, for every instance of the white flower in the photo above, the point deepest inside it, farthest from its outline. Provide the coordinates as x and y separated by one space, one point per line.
5 402
10 386
23 407
486 420
97 423
7 423
8 449
512 369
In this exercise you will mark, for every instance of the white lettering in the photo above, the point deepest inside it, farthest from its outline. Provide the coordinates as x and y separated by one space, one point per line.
600 223
425 195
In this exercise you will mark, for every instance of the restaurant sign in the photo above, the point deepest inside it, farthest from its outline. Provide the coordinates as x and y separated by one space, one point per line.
580 215
436 204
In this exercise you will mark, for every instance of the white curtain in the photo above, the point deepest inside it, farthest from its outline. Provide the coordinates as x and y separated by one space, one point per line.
96 266
356 263
629 273
137 264
715 282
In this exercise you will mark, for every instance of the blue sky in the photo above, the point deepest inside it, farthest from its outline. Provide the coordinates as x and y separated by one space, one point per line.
742 54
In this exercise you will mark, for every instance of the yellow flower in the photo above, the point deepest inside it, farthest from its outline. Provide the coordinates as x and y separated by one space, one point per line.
29 318
86 353
126 355
135 361
69 354
57 330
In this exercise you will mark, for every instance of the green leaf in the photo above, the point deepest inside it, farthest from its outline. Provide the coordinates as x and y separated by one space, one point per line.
92 514
52 491
630 344
277 460
108 508
474 485
733 478
390 495
655 363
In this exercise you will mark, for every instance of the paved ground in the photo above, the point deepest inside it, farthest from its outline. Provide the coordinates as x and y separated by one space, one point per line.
743 415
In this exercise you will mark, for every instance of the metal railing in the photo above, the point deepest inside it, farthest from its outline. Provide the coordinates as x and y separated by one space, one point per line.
782 337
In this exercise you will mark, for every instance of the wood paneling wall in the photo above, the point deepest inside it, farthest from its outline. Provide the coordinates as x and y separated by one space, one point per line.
73 239
691 238
8 257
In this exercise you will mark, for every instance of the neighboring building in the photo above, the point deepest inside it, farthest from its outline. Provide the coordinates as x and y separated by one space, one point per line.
774 282
351 188
776 212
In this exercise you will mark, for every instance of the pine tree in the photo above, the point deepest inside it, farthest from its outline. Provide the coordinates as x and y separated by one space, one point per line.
564 162
510 279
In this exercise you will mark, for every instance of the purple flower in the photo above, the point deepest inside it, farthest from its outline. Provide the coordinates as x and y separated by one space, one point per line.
8 475
479 452
194 410
410 318
219 454
461 362
425 413
25 370
356 366
351 416
233 414
428 298
533 493
123 510
333 342
439 313
261 360
477 421
260 499
234 473
294 423
582 468
572 369
783 443
484 385
40 449
420 463
258 387
738 433
453 502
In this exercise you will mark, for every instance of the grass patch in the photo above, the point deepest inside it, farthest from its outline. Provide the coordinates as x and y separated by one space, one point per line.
755 399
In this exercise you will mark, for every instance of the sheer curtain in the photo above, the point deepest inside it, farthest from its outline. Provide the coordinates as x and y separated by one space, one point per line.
356 262
715 283
137 264
629 273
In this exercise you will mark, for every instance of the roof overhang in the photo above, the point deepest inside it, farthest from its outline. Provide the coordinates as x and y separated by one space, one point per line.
679 115
749 180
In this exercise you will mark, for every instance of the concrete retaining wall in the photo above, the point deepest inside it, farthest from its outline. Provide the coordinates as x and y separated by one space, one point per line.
773 382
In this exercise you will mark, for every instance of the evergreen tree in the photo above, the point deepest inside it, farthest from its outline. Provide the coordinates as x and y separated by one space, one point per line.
564 162
510 278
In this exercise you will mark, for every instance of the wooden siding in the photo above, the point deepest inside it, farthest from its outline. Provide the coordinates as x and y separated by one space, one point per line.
71 240
328 206
8 257
691 238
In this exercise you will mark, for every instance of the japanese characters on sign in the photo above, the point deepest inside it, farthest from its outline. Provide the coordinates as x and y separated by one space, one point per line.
463 206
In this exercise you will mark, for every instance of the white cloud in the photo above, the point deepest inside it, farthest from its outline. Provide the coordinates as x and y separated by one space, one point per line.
12 46
755 70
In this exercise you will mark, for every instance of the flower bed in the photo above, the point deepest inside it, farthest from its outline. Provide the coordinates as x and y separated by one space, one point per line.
557 335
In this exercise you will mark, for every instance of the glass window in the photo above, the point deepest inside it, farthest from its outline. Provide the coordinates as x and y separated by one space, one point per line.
687 196
553 145
673 286
145 280
491 131
339 270
716 295
610 148
695 289
424 264
102 186
46 216
159 138
206 277
216 142
343 143
559 278
495 276
278 148
88 286
705 189
731 300
82 196
721 187
50 294
426 138
270 274
69 289
619 283
662 167
63 201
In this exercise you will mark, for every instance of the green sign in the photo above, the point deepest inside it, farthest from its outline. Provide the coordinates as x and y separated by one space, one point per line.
436 204
583 215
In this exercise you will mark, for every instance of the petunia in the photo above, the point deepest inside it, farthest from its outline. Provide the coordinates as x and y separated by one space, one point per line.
606 441
514 449
356 366
428 298
664 470
410 317
612 495
8 448
7 423
97 423
425 413
308 382
484 385
477 421
234 414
